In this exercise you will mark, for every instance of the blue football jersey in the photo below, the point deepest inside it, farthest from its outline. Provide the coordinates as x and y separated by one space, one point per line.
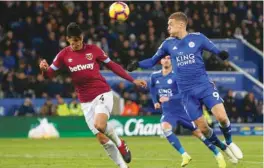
186 57
166 86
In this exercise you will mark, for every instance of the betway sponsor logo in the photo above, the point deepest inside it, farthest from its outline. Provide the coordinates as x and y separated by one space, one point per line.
81 67
135 127
187 59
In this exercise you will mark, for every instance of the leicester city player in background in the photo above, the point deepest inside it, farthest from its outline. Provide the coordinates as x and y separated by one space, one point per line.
165 95
193 82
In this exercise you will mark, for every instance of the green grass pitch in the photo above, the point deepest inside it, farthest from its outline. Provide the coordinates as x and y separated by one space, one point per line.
148 152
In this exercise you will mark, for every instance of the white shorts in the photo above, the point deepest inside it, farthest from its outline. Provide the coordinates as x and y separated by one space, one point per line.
103 103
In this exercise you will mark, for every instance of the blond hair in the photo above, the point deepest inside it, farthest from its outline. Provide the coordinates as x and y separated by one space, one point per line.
179 16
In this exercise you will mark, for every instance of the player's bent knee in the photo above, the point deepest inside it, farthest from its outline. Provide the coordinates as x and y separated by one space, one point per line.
102 138
166 128
223 121
100 127
204 129
166 125
197 133
202 125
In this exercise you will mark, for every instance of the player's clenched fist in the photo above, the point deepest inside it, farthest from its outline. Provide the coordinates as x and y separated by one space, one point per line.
164 99
157 106
43 65
140 82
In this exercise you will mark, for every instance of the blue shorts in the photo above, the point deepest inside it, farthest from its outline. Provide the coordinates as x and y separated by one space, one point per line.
194 99
178 117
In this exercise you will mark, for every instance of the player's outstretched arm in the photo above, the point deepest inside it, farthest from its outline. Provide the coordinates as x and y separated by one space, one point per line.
117 69
49 71
145 64
210 46
150 62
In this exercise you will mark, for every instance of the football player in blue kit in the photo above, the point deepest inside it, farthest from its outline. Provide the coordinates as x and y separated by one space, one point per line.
193 82
165 95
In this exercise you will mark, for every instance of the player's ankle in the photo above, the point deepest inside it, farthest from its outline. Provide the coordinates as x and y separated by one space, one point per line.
185 154
218 154
119 142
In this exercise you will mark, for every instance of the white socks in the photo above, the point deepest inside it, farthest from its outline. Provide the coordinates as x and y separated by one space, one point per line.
110 133
114 154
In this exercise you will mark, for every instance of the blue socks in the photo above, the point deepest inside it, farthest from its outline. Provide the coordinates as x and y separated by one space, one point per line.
213 138
226 130
209 145
174 141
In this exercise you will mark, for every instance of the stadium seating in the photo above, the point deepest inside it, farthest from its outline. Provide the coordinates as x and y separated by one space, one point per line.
42 34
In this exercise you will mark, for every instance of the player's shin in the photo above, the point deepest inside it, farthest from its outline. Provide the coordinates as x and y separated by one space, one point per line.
122 146
114 154
174 141
110 133
214 139
111 150
226 130
225 126
209 144
220 114
234 149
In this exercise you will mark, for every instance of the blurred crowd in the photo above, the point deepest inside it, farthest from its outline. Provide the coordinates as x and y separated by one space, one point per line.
49 108
31 31
240 106
243 108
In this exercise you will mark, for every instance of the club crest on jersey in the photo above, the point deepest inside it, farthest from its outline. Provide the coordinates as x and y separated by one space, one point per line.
69 60
191 44
89 56
169 81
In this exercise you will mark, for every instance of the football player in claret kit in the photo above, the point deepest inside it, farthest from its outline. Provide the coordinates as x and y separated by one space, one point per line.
193 82
94 93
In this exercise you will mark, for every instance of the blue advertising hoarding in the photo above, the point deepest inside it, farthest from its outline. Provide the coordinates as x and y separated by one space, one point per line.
234 47
244 129
249 67
241 54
